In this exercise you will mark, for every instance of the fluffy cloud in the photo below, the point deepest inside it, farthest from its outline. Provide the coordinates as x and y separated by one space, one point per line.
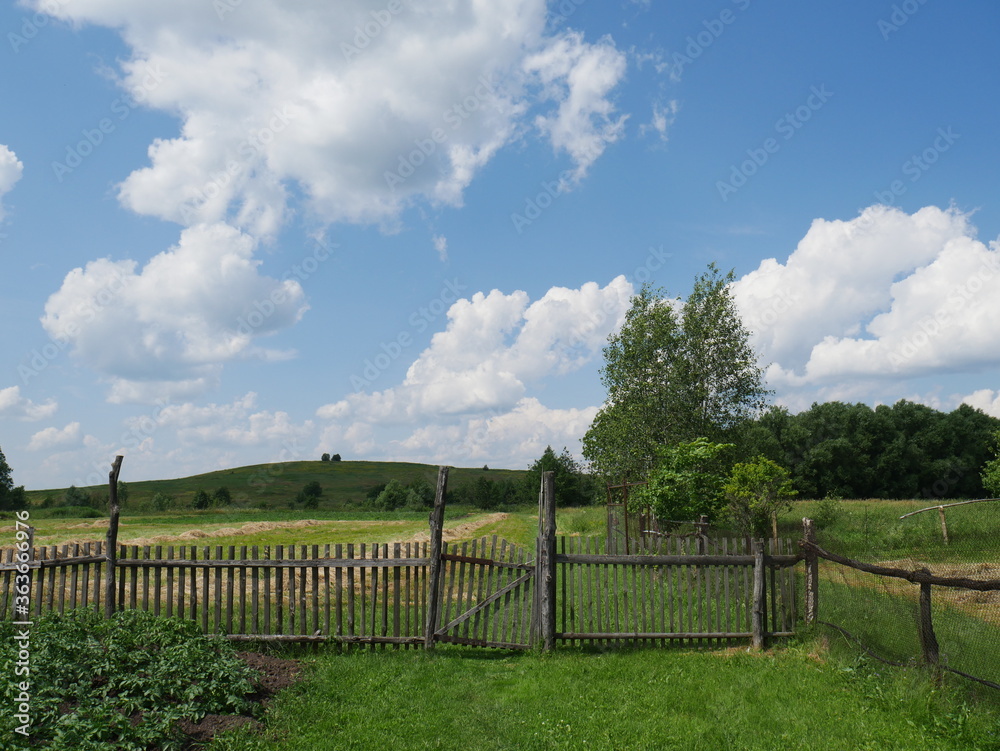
239 425
985 399
580 77
887 295
13 406
165 329
365 106
10 172
493 347
469 390
51 438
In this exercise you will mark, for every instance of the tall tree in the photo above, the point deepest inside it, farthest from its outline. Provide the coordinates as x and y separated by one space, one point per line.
572 486
11 498
676 371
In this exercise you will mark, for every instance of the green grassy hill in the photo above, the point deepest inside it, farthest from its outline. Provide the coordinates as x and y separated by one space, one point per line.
345 484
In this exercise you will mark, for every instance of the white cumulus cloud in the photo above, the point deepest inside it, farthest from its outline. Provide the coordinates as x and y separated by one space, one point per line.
365 107
51 438
164 330
11 170
13 406
466 397
887 296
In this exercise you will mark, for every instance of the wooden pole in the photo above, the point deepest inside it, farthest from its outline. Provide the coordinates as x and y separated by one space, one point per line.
434 575
944 526
759 612
812 572
111 548
928 641
545 564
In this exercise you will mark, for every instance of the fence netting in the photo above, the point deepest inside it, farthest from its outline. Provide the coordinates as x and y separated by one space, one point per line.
882 614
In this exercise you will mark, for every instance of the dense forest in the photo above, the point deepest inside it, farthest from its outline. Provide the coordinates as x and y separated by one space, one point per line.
907 450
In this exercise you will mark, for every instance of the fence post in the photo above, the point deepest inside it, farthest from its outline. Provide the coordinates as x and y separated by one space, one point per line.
434 575
759 613
702 527
111 551
928 641
812 572
545 563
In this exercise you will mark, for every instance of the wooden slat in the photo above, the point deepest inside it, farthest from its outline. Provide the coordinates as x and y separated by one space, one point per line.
279 592
350 593
255 624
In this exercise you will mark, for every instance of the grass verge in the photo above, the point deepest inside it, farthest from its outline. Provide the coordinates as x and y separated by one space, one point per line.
650 699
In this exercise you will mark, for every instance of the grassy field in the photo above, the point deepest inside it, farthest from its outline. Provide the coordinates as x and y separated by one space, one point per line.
799 697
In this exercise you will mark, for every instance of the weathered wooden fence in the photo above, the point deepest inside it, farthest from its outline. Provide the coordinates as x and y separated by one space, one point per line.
485 592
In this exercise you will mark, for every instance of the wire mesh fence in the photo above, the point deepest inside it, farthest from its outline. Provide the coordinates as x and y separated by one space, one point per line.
883 613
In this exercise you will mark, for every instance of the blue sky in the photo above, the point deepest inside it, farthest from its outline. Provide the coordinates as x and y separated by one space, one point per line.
243 232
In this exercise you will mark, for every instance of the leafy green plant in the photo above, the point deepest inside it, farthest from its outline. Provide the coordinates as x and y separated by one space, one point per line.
688 483
756 492
121 683
991 470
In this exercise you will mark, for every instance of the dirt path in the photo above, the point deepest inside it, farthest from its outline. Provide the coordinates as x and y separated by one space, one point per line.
460 531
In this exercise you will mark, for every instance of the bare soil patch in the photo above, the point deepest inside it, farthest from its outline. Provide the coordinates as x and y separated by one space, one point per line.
275 674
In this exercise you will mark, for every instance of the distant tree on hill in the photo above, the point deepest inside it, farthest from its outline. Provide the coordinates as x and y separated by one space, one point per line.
325 458
222 496
572 486
73 496
162 501
202 500
392 497
335 458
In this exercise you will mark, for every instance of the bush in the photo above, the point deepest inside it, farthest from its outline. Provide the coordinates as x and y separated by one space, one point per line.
222 496
828 512
121 683
161 501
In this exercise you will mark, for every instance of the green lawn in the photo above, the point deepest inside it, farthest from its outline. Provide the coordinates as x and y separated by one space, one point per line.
649 699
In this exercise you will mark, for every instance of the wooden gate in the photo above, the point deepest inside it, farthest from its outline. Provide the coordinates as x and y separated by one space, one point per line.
487 595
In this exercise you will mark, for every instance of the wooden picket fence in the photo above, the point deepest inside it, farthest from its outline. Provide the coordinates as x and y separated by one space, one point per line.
484 592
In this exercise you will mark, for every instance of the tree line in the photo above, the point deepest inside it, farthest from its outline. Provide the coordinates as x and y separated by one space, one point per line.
907 450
